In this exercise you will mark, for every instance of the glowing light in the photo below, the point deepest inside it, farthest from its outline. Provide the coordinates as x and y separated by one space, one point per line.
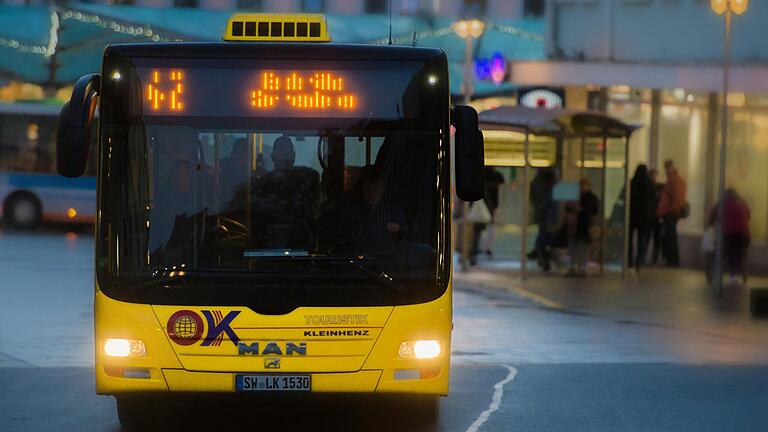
498 68
420 349
157 93
467 28
324 89
541 98
737 6
116 76
71 213
432 79
53 39
124 347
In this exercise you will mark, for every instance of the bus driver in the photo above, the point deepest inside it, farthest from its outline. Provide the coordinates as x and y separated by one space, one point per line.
286 201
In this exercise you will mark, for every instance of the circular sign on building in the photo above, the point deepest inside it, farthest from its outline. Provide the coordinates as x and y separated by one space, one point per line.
541 97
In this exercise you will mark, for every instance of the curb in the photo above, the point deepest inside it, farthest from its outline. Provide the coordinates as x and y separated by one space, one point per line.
7 361
495 284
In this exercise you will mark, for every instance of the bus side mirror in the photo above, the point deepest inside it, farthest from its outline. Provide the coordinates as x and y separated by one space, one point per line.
469 154
74 130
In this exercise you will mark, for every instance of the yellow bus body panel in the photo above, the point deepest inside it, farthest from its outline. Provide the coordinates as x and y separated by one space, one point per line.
366 360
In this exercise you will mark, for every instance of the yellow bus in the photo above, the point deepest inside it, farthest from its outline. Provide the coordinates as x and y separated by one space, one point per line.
273 214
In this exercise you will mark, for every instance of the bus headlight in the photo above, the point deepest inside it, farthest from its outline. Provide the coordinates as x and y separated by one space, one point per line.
124 348
420 349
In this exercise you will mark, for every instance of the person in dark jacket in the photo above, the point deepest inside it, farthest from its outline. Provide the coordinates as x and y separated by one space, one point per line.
493 181
544 206
642 212
583 219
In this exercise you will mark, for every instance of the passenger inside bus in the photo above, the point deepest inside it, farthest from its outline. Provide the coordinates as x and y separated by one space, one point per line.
369 222
335 196
182 195
285 202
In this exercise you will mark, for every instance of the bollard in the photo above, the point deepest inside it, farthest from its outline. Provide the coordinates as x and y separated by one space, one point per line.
758 302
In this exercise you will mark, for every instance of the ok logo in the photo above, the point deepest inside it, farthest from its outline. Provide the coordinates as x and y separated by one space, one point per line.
217 326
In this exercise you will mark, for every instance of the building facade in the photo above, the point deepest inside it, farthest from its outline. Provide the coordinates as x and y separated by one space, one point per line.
441 8
658 63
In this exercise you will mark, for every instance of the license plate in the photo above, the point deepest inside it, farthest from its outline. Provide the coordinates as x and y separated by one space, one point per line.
246 383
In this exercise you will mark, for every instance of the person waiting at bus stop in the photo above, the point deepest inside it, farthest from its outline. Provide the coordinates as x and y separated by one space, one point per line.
483 232
581 219
672 208
736 233
545 215
642 212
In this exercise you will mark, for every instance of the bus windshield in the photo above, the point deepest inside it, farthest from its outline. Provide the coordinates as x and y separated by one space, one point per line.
274 212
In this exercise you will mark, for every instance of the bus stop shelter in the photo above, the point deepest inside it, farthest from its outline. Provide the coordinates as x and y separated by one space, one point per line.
582 138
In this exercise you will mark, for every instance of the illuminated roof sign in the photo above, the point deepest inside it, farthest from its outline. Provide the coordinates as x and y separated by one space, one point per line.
265 27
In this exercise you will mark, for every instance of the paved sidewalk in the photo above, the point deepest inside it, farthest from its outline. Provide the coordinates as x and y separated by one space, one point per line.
675 298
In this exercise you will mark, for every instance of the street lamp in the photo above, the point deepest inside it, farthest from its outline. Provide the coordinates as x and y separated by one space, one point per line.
726 7
736 6
469 30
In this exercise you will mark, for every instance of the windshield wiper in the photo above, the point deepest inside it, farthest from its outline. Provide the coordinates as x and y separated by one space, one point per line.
380 276
359 263
184 276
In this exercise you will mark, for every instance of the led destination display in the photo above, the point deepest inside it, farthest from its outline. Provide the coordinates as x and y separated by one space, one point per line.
269 91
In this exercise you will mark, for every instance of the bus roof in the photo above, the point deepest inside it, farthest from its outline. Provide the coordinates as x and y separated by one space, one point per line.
273 51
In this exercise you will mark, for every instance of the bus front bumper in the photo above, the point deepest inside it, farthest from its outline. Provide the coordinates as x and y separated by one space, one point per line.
365 381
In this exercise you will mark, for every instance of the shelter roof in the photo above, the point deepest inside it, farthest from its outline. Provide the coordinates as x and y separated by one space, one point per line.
554 122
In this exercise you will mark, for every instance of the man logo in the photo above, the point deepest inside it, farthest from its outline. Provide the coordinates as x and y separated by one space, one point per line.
272 363
272 348
185 327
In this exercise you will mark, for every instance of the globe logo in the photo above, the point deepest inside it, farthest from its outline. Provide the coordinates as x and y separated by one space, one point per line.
185 327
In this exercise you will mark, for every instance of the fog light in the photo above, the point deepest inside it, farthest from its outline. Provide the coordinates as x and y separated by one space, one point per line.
119 372
422 349
124 348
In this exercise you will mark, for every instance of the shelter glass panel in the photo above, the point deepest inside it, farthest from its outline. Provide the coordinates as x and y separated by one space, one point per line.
682 138
746 162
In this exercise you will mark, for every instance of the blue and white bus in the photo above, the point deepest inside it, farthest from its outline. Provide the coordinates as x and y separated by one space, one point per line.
31 191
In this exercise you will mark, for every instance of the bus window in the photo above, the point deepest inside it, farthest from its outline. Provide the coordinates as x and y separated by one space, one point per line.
20 138
245 193
359 152
220 210
27 144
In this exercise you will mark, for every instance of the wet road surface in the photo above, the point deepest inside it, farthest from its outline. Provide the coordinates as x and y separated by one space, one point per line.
516 365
